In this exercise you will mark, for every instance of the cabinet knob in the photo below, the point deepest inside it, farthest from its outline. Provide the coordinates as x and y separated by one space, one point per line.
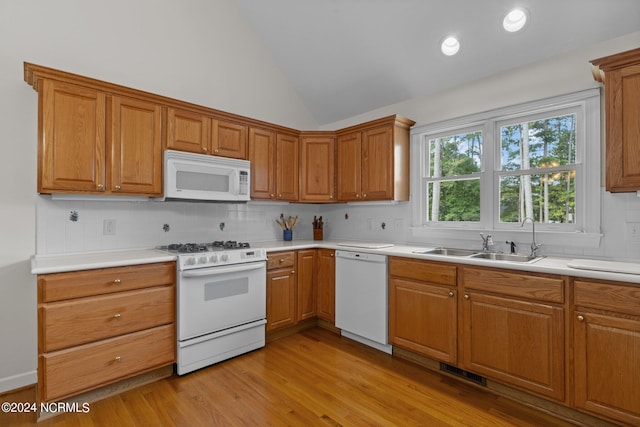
451 293
331 255
279 196
357 196
117 282
117 315
271 195
466 296
215 151
118 187
331 197
281 259
364 195
293 272
116 359
205 149
100 187
580 318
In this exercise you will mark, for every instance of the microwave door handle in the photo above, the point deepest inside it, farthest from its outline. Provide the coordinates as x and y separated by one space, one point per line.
216 271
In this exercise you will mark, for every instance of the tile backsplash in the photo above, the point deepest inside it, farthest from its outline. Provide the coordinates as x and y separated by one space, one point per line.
68 226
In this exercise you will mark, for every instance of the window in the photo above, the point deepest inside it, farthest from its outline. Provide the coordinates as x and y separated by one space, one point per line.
492 170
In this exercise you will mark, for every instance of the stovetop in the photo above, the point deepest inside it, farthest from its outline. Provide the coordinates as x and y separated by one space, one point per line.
191 248
213 254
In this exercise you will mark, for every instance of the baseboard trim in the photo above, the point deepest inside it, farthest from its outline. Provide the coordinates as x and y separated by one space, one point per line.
19 381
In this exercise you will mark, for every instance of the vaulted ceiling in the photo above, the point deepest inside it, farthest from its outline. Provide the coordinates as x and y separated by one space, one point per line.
347 57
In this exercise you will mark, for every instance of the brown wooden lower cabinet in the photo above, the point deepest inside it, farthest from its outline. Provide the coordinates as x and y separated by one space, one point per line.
606 345
326 277
281 290
423 308
307 283
97 327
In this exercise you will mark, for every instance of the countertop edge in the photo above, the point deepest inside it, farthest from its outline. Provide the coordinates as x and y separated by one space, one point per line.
45 264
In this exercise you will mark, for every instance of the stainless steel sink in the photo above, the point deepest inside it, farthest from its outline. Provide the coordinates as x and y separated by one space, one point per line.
506 257
448 251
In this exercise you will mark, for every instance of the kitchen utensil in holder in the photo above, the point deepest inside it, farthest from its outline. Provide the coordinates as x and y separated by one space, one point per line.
287 235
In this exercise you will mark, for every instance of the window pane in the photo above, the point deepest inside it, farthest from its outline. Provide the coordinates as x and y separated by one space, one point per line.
542 143
454 200
455 155
547 198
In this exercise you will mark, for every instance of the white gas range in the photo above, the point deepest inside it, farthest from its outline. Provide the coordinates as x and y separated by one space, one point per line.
221 298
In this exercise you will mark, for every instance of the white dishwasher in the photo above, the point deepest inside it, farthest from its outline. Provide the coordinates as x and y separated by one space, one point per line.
361 298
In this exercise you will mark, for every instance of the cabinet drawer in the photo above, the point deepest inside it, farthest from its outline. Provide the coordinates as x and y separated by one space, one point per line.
423 271
71 371
76 284
79 321
608 296
281 260
538 287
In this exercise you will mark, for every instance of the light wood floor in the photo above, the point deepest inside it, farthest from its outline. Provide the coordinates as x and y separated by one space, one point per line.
312 378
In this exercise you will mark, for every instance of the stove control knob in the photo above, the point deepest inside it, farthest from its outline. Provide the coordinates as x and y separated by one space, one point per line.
202 260
214 258
190 261
224 257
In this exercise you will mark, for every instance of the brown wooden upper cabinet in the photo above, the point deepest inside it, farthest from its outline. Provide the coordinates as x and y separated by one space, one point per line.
620 74
90 142
317 167
199 133
373 160
274 165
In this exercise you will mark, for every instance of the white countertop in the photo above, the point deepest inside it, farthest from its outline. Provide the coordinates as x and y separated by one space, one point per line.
42 264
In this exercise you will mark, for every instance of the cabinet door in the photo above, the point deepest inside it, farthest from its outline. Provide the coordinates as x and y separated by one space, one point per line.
228 139
349 155
262 154
71 150
326 276
136 147
517 342
307 294
377 164
607 365
317 160
287 161
188 131
423 318
281 299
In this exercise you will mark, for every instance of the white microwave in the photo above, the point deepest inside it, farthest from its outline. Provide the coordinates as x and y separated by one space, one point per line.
201 177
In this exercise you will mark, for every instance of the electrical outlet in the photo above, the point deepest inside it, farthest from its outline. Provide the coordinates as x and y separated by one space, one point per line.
633 231
109 227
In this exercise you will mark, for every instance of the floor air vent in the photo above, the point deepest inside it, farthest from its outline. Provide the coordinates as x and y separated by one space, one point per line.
469 376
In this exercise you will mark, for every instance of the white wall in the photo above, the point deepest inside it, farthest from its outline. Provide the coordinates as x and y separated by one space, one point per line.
201 51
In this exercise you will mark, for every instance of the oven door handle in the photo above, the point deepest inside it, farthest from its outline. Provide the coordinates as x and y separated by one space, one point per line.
216 271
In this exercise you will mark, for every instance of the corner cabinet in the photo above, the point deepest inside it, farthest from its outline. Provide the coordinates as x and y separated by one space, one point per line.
317 167
373 160
620 74
606 339
96 143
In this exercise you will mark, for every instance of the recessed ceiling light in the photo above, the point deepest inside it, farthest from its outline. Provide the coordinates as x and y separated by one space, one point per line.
515 20
450 46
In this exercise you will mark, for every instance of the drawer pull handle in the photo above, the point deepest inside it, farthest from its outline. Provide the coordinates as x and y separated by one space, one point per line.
281 260
466 296
581 318
117 359
451 293
293 272
117 281
117 315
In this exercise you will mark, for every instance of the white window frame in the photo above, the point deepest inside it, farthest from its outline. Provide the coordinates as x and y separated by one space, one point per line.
584 233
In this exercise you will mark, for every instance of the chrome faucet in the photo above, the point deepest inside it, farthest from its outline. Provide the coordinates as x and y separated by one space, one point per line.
534 246
487 242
